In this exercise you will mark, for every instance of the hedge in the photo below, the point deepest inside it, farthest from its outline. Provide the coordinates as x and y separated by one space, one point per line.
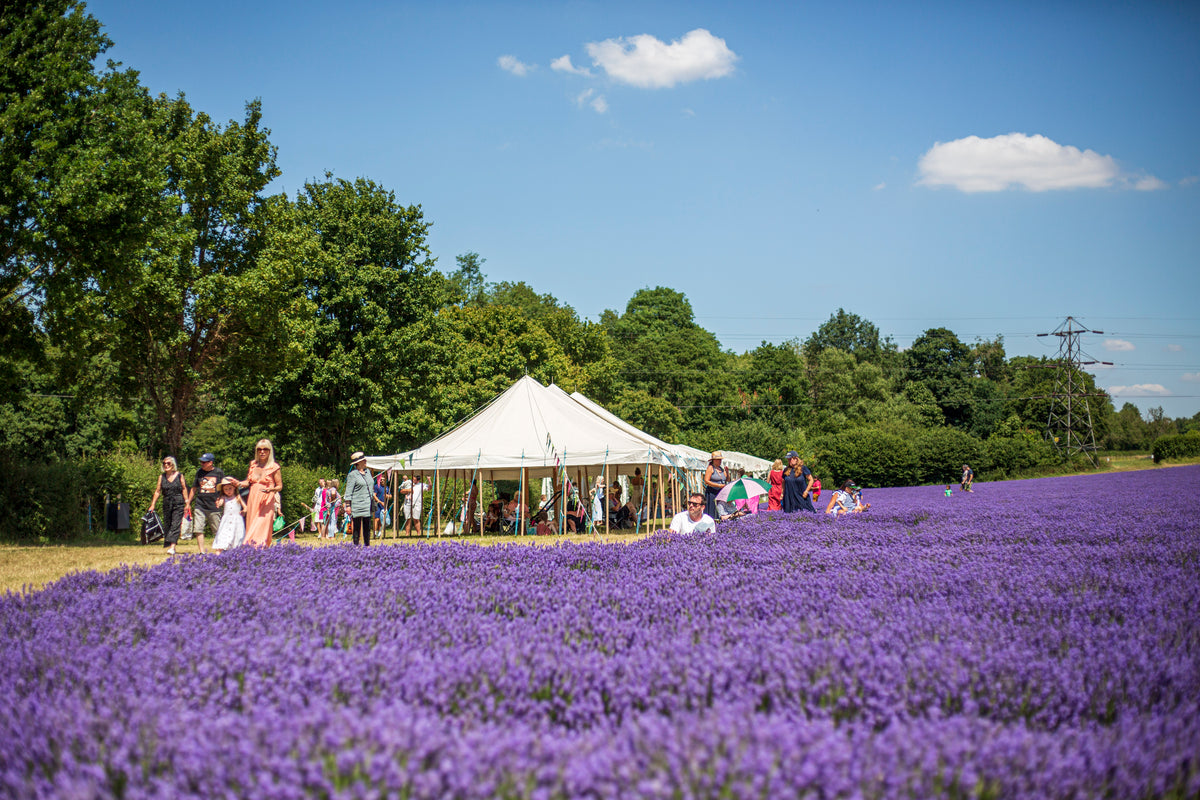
1177 445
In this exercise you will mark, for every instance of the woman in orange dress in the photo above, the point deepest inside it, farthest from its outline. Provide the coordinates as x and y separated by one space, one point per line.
265 484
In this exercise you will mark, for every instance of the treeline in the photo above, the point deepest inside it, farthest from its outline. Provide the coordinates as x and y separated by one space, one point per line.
155 298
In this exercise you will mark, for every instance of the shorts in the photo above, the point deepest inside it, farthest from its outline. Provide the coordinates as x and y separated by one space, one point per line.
203 519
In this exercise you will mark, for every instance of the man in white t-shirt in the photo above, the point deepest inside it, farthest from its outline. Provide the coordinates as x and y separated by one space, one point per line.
694 520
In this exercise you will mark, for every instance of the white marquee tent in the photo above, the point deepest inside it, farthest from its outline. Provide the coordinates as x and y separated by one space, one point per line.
529 427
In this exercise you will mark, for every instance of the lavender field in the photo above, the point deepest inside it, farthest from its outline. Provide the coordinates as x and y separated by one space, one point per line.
1033 639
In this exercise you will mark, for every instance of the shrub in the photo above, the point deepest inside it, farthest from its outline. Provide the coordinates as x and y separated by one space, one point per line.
941 452
1005 456
1176 445
867 455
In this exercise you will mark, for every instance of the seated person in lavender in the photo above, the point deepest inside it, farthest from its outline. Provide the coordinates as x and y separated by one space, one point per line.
843 501
728 509
694 520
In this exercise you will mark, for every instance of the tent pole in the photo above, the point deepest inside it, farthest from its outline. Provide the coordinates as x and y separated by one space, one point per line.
607 490
523 490
662 500
437 495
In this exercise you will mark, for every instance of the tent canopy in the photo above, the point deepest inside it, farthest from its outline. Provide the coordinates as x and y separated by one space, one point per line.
529 427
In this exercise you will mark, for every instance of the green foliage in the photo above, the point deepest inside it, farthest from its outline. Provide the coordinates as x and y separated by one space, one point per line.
1176 445
663 352
869 456
230 442
654 415
299 483
941 452
943 363
1005 457
367 284
756 437
849 333
49 501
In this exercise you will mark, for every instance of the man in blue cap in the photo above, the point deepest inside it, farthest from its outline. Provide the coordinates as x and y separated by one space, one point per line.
204 498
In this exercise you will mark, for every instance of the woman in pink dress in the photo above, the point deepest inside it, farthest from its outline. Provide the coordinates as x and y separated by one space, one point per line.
265 484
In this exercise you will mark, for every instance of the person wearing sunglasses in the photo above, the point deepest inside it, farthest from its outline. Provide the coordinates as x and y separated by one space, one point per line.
694 520
265 484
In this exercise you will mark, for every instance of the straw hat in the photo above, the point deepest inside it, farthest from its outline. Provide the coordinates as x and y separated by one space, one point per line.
717 455
356 457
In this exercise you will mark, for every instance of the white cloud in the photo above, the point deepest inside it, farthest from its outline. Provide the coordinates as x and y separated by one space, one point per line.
1118 346
1139 390
1190 180
563 64
687 112
1149 183
1174 348
1191 376
649 63
879 187
590 98
514 65
1014 160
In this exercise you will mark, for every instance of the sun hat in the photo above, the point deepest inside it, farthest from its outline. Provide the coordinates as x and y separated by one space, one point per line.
717 455
356 457
207 457
229 479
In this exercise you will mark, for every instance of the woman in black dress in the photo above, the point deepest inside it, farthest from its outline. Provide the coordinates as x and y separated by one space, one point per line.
176 499
715 479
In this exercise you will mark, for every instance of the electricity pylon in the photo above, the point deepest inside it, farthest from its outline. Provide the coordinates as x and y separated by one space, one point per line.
1069 424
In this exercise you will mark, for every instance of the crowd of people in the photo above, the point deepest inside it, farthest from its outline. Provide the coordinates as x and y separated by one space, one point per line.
247 511
214 502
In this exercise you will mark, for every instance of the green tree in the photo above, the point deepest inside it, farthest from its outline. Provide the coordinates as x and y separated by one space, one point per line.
664 353
369 284
78 180
775 375
849 333
468 283
943 363
202 300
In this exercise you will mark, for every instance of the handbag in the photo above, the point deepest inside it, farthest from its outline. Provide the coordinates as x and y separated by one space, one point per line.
152 528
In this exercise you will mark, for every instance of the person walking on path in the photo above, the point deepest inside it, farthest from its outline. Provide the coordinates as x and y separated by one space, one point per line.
265 483
232 532
205 488
176 499
715 479
317 509
797 485
360 498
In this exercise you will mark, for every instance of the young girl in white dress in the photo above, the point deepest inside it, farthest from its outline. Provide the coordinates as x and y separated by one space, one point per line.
232 531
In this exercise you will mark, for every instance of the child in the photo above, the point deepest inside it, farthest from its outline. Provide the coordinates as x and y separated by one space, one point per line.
816 489
544 528
232 529
347 519
948 492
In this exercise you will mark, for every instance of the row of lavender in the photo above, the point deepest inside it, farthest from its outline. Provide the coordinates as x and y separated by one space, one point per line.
1034 638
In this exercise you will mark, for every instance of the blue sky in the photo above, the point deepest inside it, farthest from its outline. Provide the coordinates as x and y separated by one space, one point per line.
987 167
